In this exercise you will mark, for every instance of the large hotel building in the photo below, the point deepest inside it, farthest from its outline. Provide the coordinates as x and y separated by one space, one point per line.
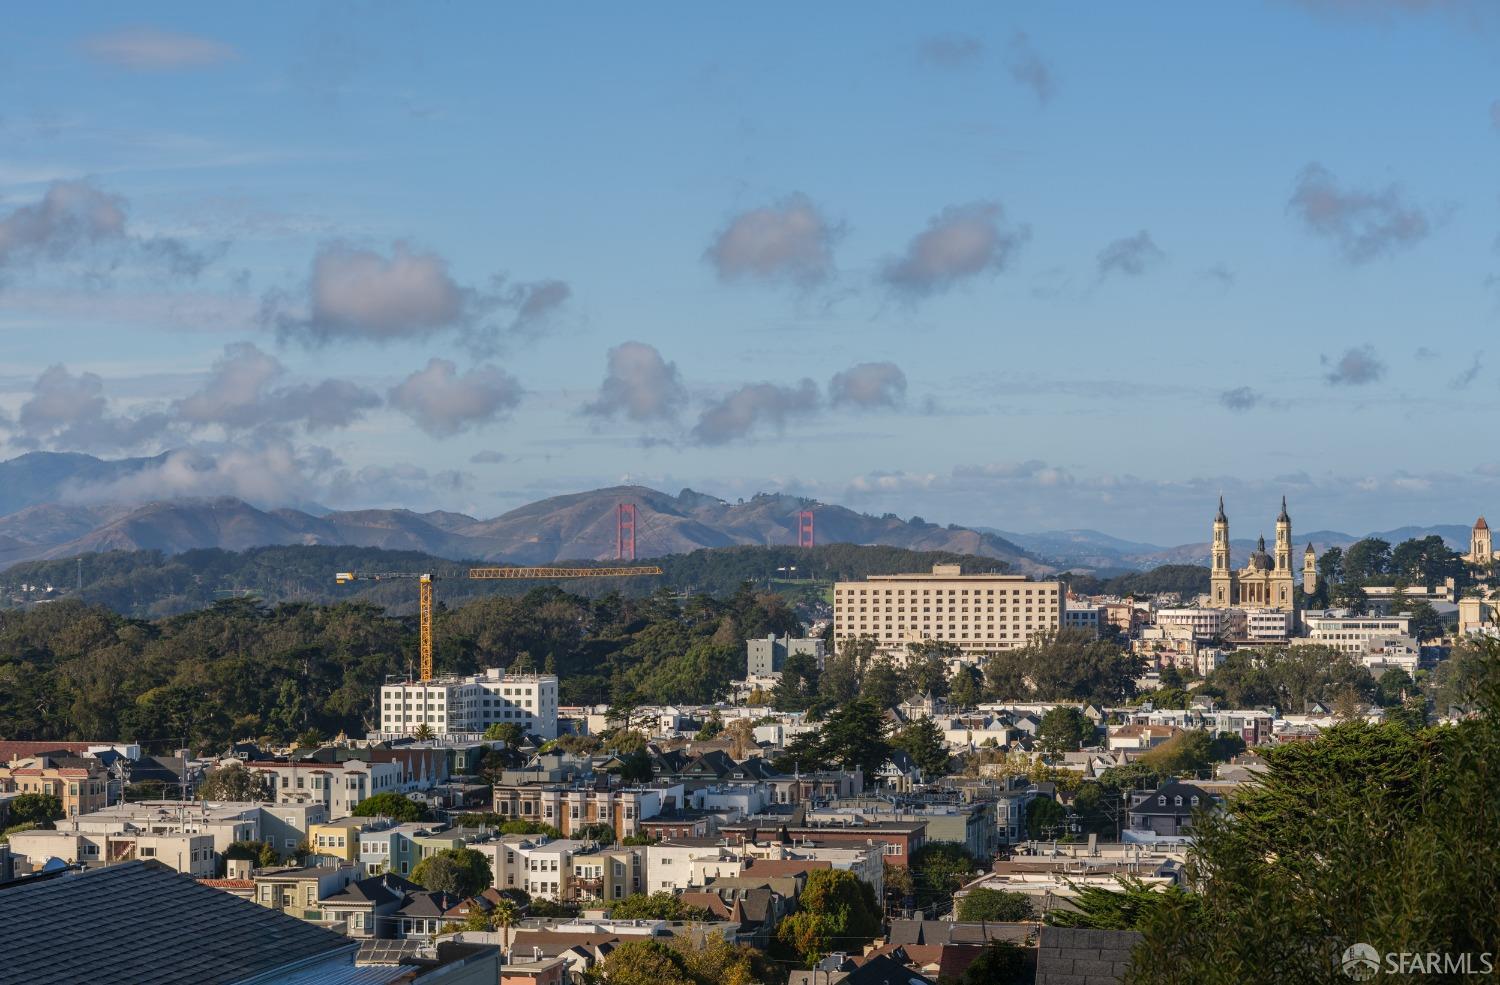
979 613
468 705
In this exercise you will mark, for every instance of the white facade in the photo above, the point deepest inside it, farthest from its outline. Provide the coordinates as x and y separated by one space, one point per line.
977 613
1355 635
1083 617
1269 624
338 787
468 705
1203 624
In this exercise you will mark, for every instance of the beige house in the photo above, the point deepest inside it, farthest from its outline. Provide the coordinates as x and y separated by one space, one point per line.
80 784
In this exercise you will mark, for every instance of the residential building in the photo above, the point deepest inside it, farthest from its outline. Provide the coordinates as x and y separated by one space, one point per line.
224 822
572 808
766 657
899 839
192 854
978 613
1478 614
337 787
296 890
1168 810
393 849
1266 581
546 971
461 706
79 783
1354 635
1083 616
1205 623
337 839
1269 625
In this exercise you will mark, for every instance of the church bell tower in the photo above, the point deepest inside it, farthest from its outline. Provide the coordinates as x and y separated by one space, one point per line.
1221 581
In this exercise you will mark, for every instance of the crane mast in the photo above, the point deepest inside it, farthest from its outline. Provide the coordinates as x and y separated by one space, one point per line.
424 591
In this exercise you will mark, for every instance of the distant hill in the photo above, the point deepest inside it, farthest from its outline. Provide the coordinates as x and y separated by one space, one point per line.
148 584
1094 551
51 509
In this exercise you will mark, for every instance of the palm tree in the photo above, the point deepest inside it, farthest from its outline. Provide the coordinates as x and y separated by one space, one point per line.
423 733
505 916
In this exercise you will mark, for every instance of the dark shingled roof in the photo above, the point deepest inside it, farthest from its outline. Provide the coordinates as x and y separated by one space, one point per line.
144 924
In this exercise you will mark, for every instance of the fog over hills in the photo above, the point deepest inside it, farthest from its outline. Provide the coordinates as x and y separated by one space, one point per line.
58 505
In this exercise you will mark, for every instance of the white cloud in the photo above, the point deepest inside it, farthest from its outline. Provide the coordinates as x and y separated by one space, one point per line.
962 242
145 49
1362 224
639 384
443 403
242 393
868 385
788 241
739 413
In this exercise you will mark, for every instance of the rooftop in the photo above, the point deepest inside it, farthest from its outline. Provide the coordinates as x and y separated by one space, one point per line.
147 925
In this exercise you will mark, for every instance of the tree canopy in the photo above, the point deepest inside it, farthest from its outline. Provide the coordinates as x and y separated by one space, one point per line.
1372 833
836 912
392 805
234 781
460 871
995 904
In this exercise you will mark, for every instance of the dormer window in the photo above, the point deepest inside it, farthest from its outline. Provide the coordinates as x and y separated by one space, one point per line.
1195 800
1179 800
1161 801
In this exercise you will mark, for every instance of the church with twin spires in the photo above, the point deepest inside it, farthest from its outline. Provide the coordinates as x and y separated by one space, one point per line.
1266 581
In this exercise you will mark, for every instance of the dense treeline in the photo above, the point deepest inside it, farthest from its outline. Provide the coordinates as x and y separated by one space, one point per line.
150 584
1187 580
239 669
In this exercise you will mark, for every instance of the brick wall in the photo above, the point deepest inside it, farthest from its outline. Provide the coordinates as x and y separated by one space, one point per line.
1083 957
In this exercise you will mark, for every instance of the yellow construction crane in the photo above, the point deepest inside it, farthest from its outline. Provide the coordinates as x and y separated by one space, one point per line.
424 590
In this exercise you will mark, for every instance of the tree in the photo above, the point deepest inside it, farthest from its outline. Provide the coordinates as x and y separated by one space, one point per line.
1426 624
922 740
1367 561
1001 963
938 868
234 782
1184 754
1063 665
1394 686
1045 819
263 854
655 906
1126 908
837 911
1349 595
798 686
966 688
603 833
507 732
39 809
854 736
391 805
1394 854
994 904
883 685
502 916
460 871
423 733
646 962
1064 729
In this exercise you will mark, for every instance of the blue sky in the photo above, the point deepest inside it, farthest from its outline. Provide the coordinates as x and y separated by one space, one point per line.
1031 267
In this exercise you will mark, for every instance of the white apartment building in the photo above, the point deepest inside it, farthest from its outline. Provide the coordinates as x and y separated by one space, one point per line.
1204 624
469 705
338 787
1354 635
1268 625
977 613
190 854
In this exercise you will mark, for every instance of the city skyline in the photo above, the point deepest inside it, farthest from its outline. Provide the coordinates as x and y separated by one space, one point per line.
981 268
